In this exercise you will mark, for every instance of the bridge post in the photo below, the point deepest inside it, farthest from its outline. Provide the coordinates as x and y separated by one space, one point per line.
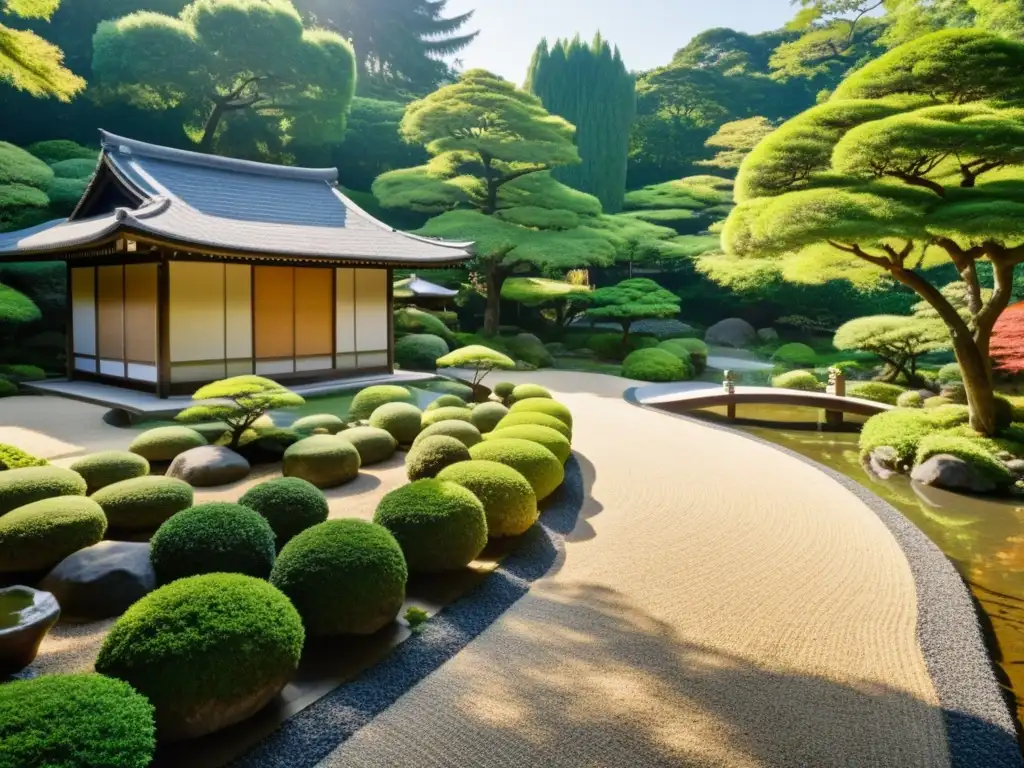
729 385
837 387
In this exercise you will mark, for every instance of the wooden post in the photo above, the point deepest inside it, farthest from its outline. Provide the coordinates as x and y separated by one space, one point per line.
729 385
837 387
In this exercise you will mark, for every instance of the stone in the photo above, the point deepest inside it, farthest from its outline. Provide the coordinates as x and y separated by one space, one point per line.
208 465
952 474
884 462
731 332
103 580
1016 467
117 417
26 615
767 334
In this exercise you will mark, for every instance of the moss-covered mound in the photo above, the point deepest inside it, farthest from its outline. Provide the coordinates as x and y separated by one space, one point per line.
795 354
41 534
508 498
447 401
419 351
164 443
439 526
74 721
936 402
526 391
410 320
486 416
698 352
374 444
289 504
448 387
462 431
902 429
432 454
324 460
551 439
804 381
402 420
971 451
344 577
949 374
677 349
108 467
370 399
655 365
504 390
19 487
545 406
531 417
878 391
143 503
449 413
327 422
911 399
533 461
12 457
207 651
216 537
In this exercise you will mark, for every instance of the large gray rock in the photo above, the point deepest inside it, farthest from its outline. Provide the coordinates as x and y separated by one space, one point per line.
767 334
952 474
103 580
208 465
731 332
26 615
884 462
1016 467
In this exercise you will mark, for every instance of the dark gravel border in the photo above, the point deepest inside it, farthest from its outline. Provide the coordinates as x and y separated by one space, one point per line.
316 731
980 729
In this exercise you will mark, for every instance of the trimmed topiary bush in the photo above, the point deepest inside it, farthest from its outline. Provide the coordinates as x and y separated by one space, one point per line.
143 503
537 464
320 421
504 390
878 391
108 467
448 387
207 651
447 401
949 374
402 420
15 458
698 352
531 417
967 449
678 350
216 537
526 391
374 445
410 320
936 402
419 351
462 431
795 353
323 460
542 405
903 429
39 535
370 399
19 487
531 350
551 439
485 416
508 498
911 399
439 526
289 504
75 721
801 380
165 443
445 414
345 577
432 454
655 365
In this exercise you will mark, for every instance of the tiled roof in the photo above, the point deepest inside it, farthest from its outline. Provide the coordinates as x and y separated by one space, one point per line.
223 204
413 286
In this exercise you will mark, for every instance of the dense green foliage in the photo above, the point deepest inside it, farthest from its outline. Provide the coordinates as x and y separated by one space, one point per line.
370 399
463 431
28 484
324 460
419 351
374 444
289 504
41 534
509 501
248 399
631 300
802 380
879 391
107 467
902 429
143 503
897 341
164 443
432 454
656 365
402 420
30 63
795 354
537 464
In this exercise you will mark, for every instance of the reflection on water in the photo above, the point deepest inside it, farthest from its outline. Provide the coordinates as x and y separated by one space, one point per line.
983 537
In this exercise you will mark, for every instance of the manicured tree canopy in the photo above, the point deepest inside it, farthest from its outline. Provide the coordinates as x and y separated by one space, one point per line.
897 340
27 61
479 359
632 300
735 140
243 67
565 299
250 397
687 206
915 161
590 87
1008 340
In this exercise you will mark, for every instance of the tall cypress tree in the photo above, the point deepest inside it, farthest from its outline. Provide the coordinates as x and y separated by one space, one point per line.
590 87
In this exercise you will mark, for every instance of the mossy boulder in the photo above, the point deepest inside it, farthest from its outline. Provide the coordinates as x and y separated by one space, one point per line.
289 504
108 467
39 535
143 503
462 431
374 444
207 651
550 438
440 526
656 365
324 460
533 461
402 420
431 455
545 406
328 422
447 401
75 721
449 413
19 487
216 537
345 577
165 443
419 351
370 399
486 416
805 381
510 504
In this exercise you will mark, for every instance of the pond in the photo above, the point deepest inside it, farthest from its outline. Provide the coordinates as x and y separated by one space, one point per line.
984 538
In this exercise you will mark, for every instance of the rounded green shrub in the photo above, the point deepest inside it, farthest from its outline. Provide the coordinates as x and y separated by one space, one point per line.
216 537
551 439
374 445
445 414
289 504
526 391
655 365
432 454
439 526
143 503
75 721
801 380
485 416
532 417
447 401
41 534
7 388
207 651
462 431
508 498
608 346
968 450
955 392
530 349
878 391
419 351
370 399
504 389
19 487
542 405
22 372
345 577
795 353
74 168
949 374
108 467
15 458
537 464
698 352
328 422
401 420
164 443
410 320
936 402
323 460
910 399
677 349
902 429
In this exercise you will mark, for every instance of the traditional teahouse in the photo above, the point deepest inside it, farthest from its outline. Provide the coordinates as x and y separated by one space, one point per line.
184 268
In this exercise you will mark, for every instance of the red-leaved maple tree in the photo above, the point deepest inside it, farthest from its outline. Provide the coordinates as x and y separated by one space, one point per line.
1007 347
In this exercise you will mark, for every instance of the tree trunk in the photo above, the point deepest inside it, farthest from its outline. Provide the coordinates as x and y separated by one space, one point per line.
625 336
978 384
492 312
210 129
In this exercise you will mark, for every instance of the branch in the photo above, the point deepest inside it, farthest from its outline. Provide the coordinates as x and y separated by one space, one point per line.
918 181
857 251
965 263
